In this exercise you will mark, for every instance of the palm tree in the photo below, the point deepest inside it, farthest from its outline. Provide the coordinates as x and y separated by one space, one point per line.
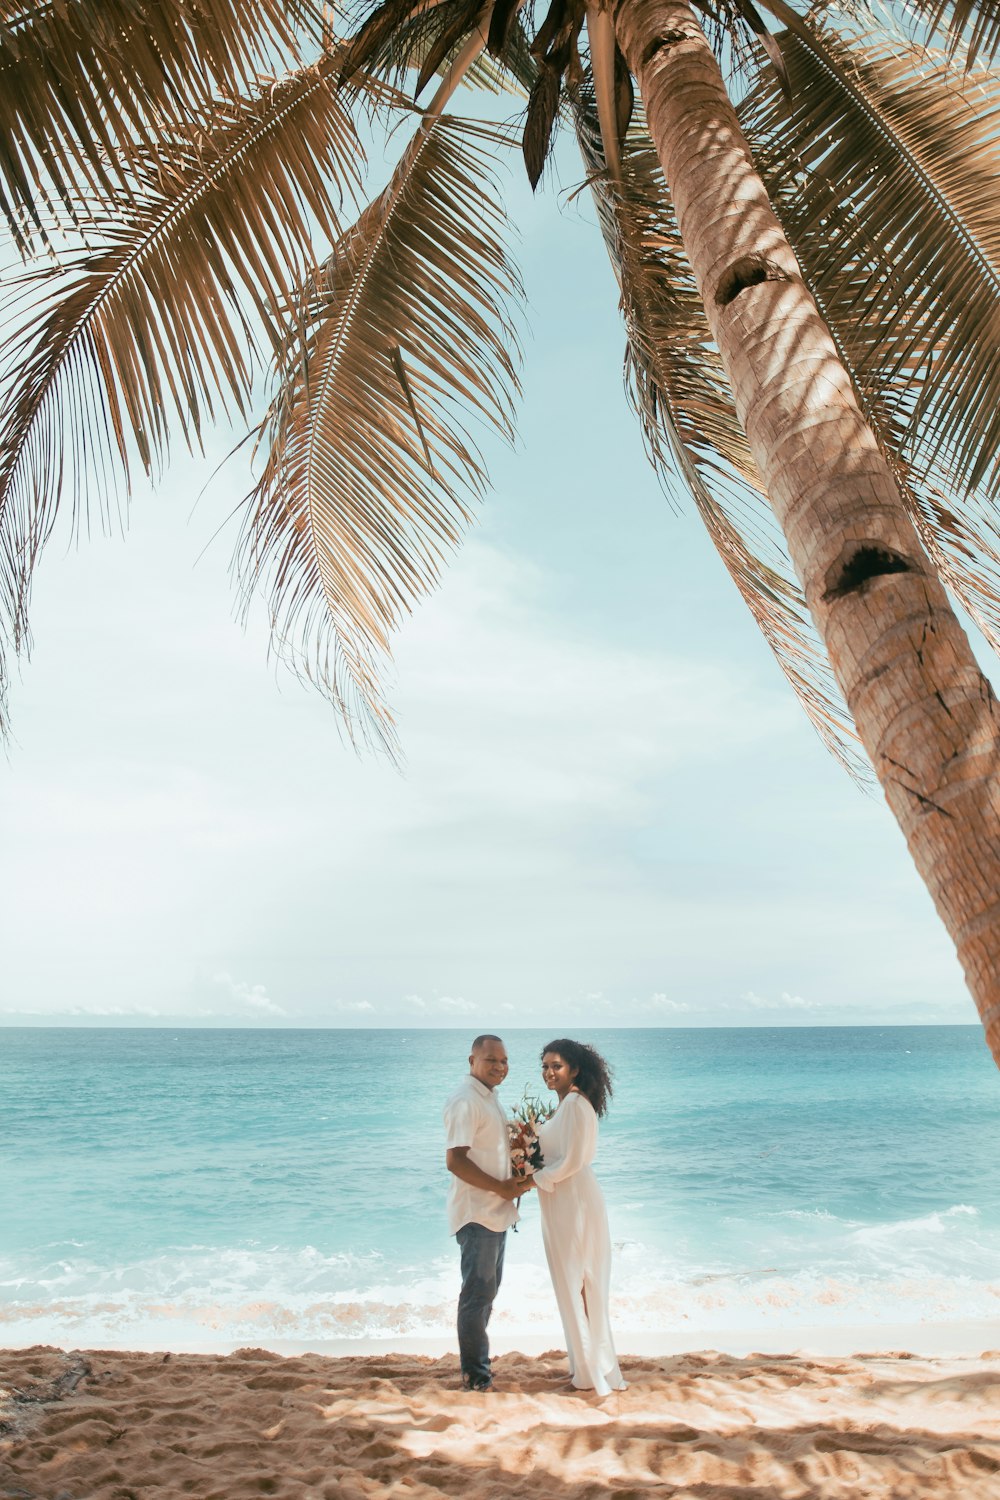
809 270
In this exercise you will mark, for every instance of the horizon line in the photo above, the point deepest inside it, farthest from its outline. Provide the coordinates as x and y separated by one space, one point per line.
103 1024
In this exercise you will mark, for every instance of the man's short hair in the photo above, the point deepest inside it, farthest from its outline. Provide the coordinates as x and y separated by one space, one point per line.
481 1041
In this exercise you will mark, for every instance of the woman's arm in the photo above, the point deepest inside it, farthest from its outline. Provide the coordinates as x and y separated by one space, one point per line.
573 1148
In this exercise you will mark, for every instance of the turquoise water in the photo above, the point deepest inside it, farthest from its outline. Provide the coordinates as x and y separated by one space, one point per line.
168 1187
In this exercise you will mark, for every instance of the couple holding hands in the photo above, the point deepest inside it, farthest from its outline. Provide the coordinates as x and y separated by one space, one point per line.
482 1205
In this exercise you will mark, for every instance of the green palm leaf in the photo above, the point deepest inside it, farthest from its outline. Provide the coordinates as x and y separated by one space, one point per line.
692 432
407 339
158 320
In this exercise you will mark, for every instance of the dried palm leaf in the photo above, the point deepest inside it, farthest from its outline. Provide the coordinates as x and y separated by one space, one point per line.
693 435
84 84
971 27
512 73
501 26
370 475
556 46
539 125
401 35
961 538
624 94
730 36
883 171
459 18
603 58
159 319
556 18
758 26
378 37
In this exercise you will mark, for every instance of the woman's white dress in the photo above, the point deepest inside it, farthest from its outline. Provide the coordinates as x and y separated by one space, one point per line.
578 1242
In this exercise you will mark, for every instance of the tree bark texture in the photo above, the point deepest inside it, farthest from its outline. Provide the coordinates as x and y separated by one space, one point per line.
925 714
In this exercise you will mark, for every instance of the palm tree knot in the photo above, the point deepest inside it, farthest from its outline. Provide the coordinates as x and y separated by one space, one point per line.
748 271
858 564
660 44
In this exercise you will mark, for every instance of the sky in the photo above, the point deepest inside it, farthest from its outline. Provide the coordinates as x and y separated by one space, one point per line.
611 809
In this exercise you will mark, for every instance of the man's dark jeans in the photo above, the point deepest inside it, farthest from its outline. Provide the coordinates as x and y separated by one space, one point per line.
482 1269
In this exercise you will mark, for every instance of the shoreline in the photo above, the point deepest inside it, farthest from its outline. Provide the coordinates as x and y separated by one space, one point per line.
954 1340
958 1340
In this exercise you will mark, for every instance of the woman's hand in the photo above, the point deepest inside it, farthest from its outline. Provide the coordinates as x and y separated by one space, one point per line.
513 1187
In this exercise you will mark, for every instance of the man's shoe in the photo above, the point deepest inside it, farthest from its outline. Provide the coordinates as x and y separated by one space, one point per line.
477 1383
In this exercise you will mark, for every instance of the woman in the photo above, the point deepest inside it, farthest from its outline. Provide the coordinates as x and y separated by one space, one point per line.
574 1219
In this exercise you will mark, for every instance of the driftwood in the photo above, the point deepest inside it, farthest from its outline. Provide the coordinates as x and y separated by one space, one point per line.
21 1406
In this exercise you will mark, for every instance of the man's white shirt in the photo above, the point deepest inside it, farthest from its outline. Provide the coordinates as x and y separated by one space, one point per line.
474 1117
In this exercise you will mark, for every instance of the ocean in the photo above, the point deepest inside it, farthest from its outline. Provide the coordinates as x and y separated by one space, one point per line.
194 1189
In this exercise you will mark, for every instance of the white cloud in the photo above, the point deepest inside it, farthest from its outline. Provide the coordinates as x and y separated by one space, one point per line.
437 1006
666 1006
783 1001
455 1005
253 995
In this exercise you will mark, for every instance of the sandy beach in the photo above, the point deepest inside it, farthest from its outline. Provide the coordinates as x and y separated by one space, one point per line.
109 1425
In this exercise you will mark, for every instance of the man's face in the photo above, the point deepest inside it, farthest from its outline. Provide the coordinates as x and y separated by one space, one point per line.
489 1064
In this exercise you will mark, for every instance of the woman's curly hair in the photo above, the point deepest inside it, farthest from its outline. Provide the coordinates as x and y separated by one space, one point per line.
593 1077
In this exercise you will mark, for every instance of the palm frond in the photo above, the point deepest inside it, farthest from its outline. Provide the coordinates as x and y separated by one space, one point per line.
401 35
758 28
83 83
693 435
961 538
556 45
883 170
970 28
398 36
159 320
603 57
514 75
408 338
387 35
502 26
457 18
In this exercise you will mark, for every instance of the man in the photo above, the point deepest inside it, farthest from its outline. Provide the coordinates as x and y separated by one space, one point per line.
482 1198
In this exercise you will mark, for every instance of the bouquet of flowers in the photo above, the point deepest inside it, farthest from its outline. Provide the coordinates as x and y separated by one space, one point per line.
525 1152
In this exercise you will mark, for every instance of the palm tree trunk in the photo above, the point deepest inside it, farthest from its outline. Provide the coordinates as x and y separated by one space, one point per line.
925 713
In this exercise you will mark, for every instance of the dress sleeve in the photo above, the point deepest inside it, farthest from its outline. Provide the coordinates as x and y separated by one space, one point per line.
572 1147
459 1124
